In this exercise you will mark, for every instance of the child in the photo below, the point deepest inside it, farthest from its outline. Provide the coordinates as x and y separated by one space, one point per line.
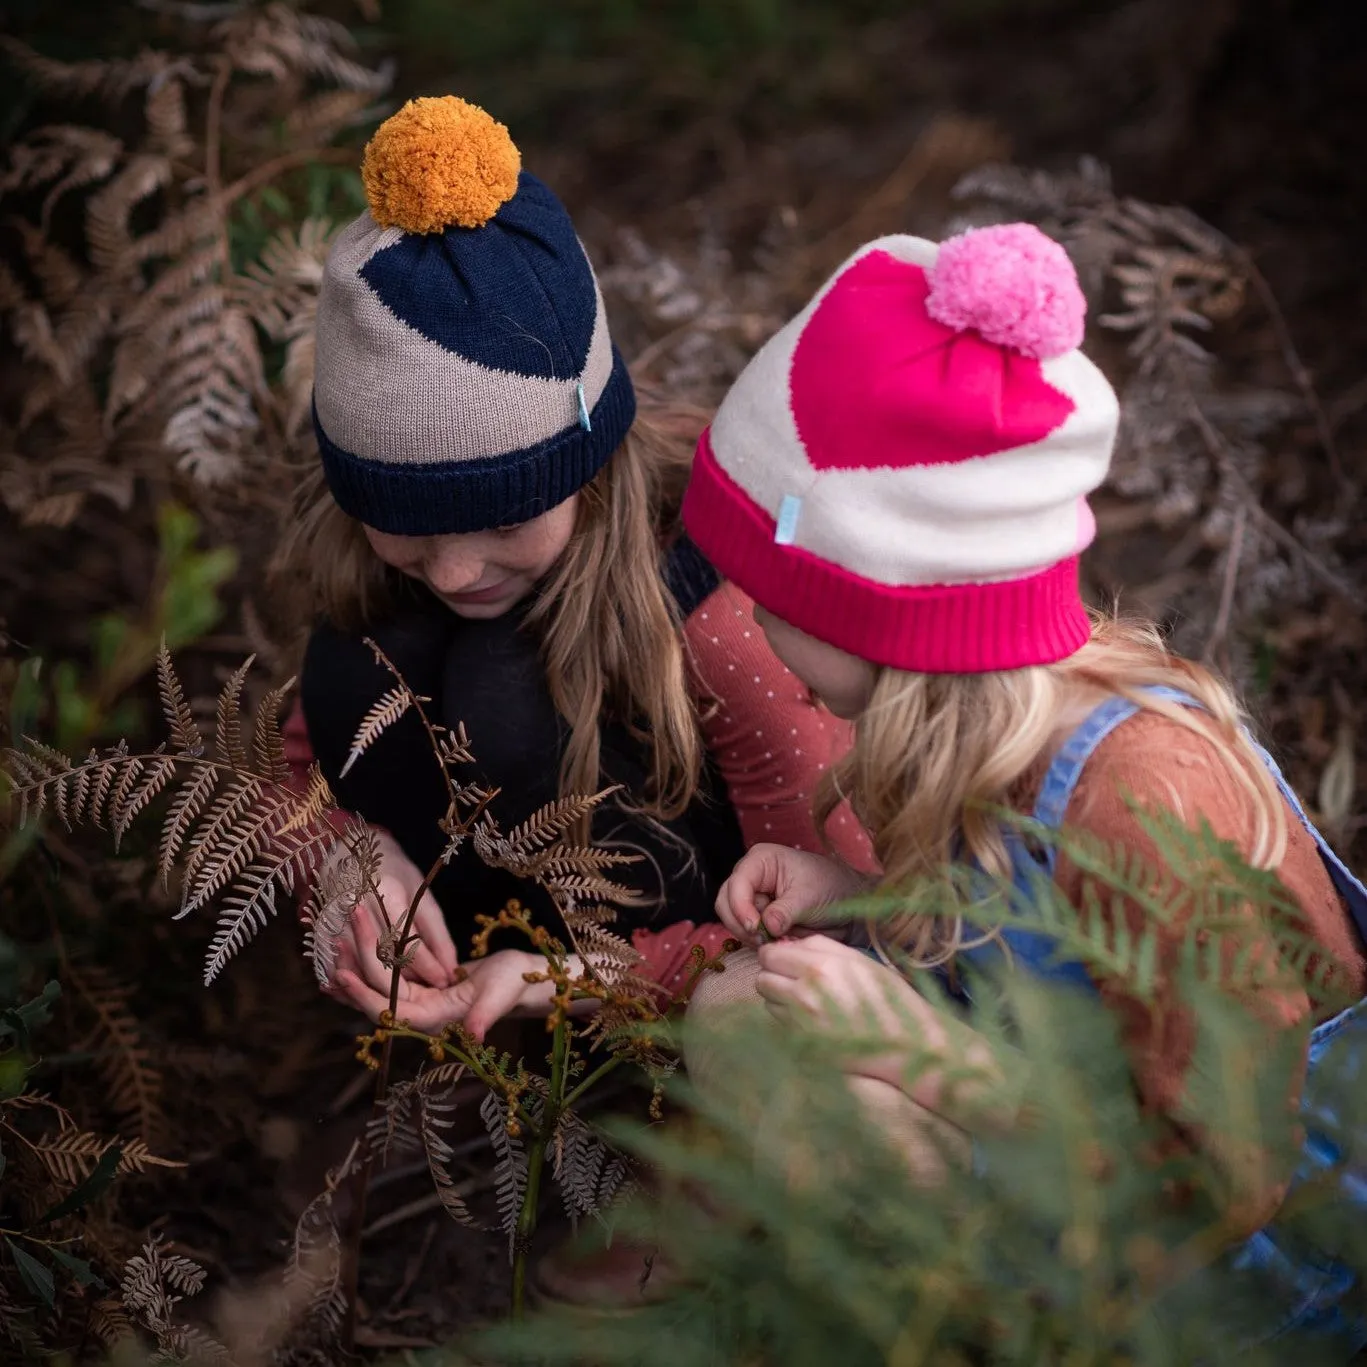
494 511
899 480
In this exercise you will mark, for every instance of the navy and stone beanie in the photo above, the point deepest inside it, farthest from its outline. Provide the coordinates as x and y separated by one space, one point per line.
464 379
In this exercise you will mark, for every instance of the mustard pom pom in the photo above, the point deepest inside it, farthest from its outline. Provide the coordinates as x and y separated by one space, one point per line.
438 162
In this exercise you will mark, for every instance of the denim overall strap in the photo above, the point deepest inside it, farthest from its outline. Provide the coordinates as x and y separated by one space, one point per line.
1056 792
1039 953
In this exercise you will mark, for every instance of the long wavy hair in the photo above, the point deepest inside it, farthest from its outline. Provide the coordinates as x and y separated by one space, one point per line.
934 753
607 624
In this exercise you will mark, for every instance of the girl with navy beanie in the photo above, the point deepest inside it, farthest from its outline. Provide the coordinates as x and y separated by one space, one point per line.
499 513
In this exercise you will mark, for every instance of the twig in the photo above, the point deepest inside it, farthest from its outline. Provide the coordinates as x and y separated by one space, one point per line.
1231 577
431 1201
415 1266
1219 453
213 127
290 161
1299 372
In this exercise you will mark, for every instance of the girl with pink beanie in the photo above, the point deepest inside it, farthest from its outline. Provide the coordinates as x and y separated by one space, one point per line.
899 480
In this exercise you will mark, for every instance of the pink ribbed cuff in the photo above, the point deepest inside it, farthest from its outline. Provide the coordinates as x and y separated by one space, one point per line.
927 629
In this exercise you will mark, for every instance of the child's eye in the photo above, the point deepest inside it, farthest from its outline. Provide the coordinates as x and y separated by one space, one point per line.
509 531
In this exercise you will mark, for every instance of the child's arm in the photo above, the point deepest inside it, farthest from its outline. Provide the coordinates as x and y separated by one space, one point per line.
770 740
1161 764
667 953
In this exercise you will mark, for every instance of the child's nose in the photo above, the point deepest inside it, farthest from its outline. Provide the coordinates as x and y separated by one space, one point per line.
452 568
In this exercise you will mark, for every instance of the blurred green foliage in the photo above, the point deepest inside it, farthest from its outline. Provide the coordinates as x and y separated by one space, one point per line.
77 704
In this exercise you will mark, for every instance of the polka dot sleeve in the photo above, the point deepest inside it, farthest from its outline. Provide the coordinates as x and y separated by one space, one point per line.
770 741
668 954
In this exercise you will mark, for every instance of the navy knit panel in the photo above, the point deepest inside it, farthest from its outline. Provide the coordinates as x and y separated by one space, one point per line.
516 295
491 491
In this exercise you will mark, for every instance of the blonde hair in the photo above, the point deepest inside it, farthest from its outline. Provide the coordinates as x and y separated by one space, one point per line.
934 753
607 625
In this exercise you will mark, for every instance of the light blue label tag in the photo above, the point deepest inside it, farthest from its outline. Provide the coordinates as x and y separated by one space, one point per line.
584 421
788 512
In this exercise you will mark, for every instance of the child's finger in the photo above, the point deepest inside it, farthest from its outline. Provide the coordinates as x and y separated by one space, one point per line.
354 991
436 937
753 877
788 958
784 994
423 966
501 992
366 938
726 914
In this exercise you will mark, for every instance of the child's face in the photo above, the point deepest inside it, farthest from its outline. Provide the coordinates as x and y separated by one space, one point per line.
842 681
481 574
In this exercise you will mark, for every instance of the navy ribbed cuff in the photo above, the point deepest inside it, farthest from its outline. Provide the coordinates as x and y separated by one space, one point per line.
477 495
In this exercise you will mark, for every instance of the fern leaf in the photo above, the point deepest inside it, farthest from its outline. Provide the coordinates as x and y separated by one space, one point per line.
252 836
206 845
185 809
387 710
228 721
70 1156
159 772
510 1172
134 1083
550 822
244 913
434 1115
267 742
579 1156
107 215
109 78
390 1132
347 872
185 734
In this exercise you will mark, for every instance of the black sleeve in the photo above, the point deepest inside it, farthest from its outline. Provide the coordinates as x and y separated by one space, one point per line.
489 675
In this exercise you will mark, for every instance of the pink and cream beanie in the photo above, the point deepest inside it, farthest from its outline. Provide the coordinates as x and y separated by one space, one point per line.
903 469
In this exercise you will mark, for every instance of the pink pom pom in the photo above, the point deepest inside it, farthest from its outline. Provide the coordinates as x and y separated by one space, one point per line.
1016 286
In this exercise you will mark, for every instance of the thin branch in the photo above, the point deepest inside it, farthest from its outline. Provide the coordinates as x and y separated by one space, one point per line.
289 161
1219 452
1233 556
1299 371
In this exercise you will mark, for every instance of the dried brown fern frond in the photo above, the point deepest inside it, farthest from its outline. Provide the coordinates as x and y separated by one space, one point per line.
243 834
154 1282
148 323
315 1268
69 1156
108 78
387 709
342 881
1193 446
589 1174
436 1104
133 1081
510 1169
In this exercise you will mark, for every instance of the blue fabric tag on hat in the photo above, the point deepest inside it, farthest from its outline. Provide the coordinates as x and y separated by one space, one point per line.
788 512
584 420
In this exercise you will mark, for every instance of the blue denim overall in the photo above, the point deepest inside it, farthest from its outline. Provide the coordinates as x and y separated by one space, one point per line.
1312 1291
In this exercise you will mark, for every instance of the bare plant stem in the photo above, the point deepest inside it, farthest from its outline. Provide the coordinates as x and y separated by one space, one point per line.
536 1162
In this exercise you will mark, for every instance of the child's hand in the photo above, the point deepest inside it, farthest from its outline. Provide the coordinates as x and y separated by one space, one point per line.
774 889
492 988
434 958
837 988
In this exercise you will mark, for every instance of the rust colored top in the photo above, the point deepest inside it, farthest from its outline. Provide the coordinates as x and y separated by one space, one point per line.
1160 763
